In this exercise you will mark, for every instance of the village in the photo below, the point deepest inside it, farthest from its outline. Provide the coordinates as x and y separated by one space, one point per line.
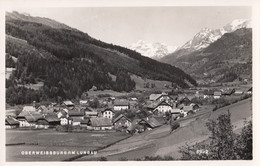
130 115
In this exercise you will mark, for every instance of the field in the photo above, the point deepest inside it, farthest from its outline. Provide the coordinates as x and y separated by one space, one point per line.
160 142
50 140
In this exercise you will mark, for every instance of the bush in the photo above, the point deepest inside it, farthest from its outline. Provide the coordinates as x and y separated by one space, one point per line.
174 125
224 144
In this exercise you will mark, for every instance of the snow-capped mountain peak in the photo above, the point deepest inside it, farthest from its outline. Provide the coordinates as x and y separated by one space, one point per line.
207 36
152 50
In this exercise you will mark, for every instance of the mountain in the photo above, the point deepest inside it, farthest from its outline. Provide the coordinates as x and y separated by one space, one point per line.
70 62
152 50
226 59
204 38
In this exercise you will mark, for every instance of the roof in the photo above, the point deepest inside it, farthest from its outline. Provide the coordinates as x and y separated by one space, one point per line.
152 122
68 103
52 118
100 122
28 108
76 113
76 119
83 101
88 113
160 119
32 117
85 121
107 109
153 105
121 103
12 121
187 108
43 108
119 117
154 96
250 89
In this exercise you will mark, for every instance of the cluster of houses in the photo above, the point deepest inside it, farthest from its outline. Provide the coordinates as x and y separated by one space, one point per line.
216 94
158 106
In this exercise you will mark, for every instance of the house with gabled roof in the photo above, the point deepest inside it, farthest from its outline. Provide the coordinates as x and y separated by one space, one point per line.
122 122
162 107
11 123
121 105
108 113
28 117
101 123
217 94
149 123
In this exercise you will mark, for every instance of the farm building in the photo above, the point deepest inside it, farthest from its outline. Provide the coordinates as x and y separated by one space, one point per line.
108 113
121 105
47 121
28 117
75 113
149 123
176 113
122 122
101 123
162 108
133 105
228 92
11 123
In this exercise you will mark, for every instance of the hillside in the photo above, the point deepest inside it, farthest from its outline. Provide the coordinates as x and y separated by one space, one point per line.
70 62
224 60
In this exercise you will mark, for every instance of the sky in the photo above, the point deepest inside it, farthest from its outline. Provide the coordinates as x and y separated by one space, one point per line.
123 26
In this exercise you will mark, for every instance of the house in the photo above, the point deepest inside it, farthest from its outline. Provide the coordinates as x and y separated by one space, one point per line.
85 122
108 113
160 97
52 120
101 123
133 105
134 127
42 109
187 108
208 94
63 113
228 92
121 105
217 94
162 108
11 123
28 117
122 122
41 123
68 103
75 121
90 112
186 101
75 113
64 120
149 123
195 107
176 113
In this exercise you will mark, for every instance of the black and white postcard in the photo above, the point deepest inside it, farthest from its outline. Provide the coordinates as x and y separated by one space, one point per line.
138 81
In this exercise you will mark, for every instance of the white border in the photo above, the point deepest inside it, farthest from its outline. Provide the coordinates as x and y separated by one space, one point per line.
6 4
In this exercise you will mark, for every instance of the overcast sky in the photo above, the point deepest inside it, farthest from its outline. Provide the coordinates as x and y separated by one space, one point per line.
126 25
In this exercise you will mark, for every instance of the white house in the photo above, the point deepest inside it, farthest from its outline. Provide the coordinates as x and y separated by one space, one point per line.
108 113
163 107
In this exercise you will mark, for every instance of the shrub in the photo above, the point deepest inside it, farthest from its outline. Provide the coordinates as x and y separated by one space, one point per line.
174 125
